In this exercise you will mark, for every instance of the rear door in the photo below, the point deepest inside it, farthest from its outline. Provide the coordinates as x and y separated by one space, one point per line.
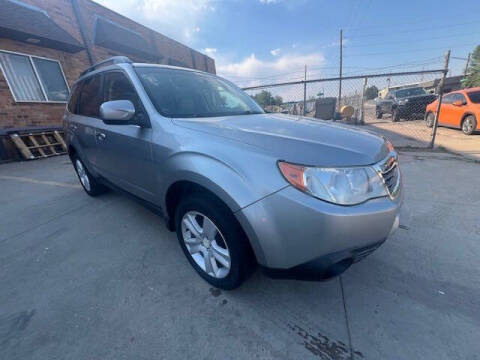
124 151
83 123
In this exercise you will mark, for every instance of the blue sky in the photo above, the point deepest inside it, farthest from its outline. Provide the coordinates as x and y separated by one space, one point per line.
264 41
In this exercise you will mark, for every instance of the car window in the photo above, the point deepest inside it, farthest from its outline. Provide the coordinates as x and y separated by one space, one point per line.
90 97
448 99
73 102
459 97
474 97
180 93
116 86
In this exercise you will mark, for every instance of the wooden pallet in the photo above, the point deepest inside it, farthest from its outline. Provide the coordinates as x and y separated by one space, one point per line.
40 145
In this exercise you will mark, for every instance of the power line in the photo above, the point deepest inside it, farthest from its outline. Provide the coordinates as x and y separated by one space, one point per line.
428 61
412 50
416 30
409 41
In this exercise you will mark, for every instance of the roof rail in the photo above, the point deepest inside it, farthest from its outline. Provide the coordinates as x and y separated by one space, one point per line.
109 61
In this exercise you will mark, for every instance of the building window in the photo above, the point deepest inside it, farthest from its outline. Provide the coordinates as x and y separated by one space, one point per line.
34 79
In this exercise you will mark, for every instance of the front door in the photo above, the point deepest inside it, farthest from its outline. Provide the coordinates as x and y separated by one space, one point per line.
447 110
458 109
124 154
87 118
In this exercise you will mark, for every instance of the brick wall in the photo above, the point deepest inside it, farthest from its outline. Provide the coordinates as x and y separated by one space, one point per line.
15 115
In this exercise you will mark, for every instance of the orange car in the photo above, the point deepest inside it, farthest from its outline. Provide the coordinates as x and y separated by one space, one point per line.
460 109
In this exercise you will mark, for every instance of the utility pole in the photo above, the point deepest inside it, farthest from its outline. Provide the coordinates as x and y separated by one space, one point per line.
305 92
362 104
466 65
340 75
440 93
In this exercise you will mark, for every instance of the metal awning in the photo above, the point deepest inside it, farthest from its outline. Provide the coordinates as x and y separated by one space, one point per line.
28 23
119 38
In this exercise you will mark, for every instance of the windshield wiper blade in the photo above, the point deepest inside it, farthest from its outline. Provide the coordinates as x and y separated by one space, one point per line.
249 112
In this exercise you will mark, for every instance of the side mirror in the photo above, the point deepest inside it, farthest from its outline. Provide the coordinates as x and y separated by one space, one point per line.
458 103
118 112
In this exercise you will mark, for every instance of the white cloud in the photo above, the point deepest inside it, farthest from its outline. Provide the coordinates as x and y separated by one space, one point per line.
210 51
252 71
270 1
275 52
177 19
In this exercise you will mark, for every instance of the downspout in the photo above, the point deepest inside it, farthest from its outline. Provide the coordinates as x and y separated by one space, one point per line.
193 59
81 26
206 63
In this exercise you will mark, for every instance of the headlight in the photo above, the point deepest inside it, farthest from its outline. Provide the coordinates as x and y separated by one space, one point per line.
343 186
402 102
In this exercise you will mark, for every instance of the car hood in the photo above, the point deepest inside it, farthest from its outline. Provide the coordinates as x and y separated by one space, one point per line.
296 139
421 97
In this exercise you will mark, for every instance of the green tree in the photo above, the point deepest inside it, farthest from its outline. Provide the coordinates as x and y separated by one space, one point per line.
473 71
265 98
371 92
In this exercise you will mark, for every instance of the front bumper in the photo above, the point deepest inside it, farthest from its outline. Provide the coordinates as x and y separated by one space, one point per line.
290 228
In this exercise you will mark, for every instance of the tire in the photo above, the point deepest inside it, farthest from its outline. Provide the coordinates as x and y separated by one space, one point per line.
395 115
91 186
225 245
469 124
378 114
430 119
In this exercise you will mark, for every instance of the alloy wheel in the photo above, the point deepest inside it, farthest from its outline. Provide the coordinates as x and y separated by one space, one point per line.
206 244
467 126
82 174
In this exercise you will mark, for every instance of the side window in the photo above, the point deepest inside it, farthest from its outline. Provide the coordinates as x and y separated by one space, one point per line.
90 97
116 86
448 99
460 97
72 104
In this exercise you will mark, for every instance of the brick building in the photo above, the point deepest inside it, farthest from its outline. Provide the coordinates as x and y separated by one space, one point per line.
46 44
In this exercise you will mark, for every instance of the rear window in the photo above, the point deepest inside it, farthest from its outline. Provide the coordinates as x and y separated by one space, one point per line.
474 96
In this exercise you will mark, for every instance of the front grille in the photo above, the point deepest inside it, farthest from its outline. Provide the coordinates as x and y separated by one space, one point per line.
391 178
389 171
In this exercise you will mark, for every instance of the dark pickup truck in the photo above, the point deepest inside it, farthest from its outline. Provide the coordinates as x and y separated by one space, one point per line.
408 103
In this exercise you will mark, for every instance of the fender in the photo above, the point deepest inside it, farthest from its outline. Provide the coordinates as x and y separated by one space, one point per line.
216 176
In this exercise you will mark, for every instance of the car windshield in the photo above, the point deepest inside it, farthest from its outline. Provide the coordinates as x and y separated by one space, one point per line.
188 94
410 92
474 97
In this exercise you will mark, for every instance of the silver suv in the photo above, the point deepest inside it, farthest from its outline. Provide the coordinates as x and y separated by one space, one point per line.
303 198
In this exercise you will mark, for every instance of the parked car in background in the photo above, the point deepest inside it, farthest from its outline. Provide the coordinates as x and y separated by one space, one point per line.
238 185
460 109
407 103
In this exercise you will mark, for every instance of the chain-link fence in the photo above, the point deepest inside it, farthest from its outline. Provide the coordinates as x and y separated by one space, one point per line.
393 104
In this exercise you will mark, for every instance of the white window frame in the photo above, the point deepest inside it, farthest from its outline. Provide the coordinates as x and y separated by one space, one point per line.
30 58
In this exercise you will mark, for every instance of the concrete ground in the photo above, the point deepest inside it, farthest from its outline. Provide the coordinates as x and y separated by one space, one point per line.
102 278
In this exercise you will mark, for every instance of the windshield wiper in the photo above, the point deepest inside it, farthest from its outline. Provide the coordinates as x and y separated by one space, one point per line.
248 112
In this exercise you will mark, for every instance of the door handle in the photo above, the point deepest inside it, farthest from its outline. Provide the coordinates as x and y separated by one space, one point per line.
101 136
73 127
